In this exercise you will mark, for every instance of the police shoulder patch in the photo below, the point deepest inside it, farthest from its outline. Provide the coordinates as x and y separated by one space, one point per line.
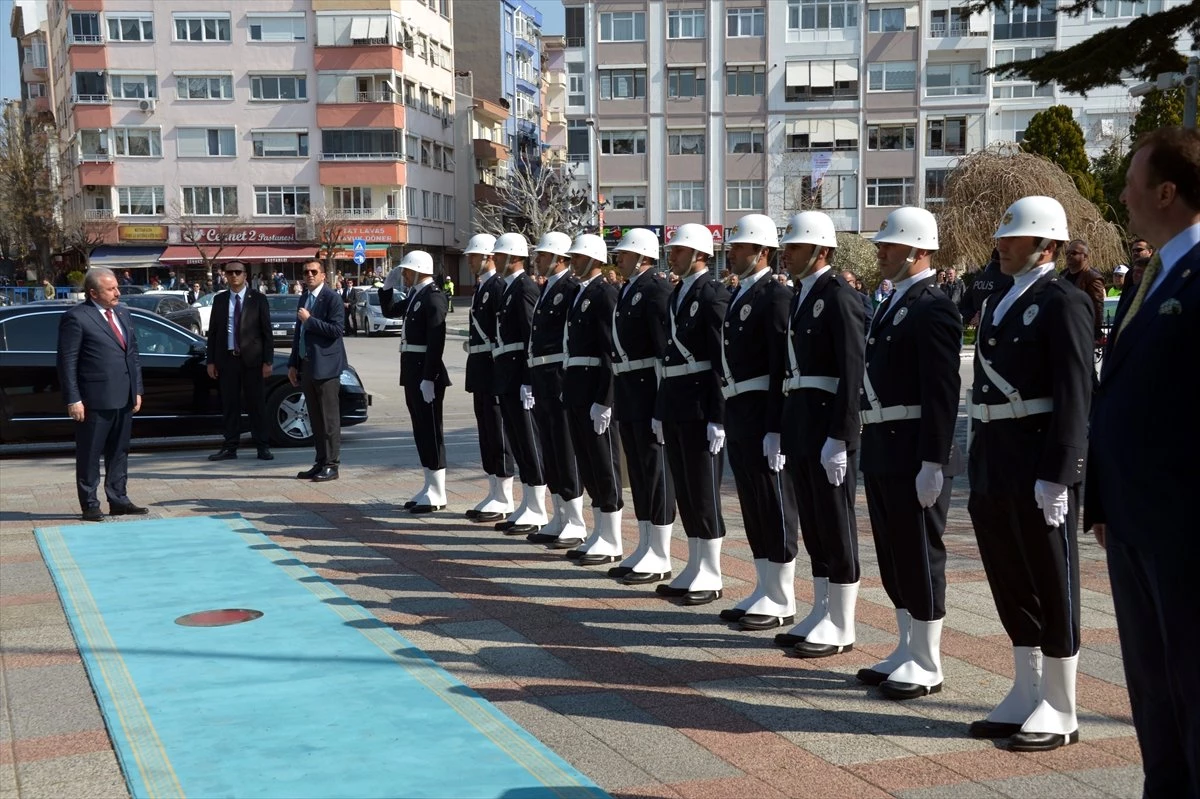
583 306
745 314
900 314
558 298
1030 314
636 298
416 306
818 306
694 308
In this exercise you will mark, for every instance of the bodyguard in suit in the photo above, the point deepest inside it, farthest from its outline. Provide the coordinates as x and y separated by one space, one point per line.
909 408
494 452
822 380
101 378
755 341
241 352
316 365
422 369
1028 406
1142 460
689 415
639 340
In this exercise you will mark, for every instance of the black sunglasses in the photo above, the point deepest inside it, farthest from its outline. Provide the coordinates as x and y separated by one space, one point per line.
312 271
235 272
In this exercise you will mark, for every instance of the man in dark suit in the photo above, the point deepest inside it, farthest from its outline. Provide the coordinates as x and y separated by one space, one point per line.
755 340
347 292
240 354
639 339
1088 280
689 416
1028 407
422 369
316 365
1142 458
822 380
909 408
101 378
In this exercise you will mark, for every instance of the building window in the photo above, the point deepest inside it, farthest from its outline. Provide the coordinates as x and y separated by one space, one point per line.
953 80
1125 9
140 201
354 200
822 15
625 198
278 87
365 144
744 195
831 192
1021 91
276 29
281 200
202 28
623 142
1019 22
885 20
206 142
575 25
740 22
891 76
622 84
820 80
138 142
210 200
279 143
685 195
822 135
687 23
90 87
412 146
946 136
744 141
746 81
945 22
93 144
935 186
575 87
891 137
130 28
579 142
134 87
889 192
35 90
686 143
623 26
686 83
85 29
204 87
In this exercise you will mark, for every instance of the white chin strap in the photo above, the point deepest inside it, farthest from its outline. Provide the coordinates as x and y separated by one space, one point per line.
1033 258
812 261
750 270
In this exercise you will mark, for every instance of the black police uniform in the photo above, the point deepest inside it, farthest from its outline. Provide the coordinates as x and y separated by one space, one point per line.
493 446
510 371
424 342
546 373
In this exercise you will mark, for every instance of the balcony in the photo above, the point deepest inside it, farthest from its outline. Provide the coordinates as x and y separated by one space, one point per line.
95 158
98 213
575 41
90 99
82 38
557 78
369 114
940 30
98 174
490 151
362 169
955 91
379 96
949 149
556 116
486 195
359 58
367 213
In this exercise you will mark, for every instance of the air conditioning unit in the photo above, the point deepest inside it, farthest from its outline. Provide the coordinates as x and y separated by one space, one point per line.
446 122
146 106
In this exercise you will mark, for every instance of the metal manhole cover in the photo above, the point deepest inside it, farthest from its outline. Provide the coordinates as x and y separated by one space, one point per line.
218 618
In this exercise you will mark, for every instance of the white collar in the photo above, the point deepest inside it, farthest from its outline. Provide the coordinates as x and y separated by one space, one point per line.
907 283
486 276
1180 245
745 283
508 281
552 279
689 280
807 281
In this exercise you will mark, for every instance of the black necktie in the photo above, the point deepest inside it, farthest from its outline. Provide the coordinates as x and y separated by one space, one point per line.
237 321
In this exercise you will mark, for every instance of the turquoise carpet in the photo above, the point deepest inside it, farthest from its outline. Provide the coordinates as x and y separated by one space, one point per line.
317 698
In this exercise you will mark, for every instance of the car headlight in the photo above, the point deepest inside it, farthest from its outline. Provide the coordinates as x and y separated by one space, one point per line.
349 378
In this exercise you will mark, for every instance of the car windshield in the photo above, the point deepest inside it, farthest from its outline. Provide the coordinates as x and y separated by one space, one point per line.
206 300
373 298
141 301
283 302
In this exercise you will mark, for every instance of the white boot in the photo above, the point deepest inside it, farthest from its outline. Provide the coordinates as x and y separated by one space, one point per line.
657 558
533 501
834 634
777 606
760 590
1021 699
573 528
690 569
608 545
556 523
641 549
489 499
921 674
1053 723
594 535
883 669
708 575
437 489
422 496
504 496
526 497
819 606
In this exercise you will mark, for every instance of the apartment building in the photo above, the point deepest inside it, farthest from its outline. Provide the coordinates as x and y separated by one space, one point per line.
28 27
480 134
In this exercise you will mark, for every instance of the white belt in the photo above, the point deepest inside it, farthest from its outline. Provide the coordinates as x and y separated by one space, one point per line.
580 360
1011 410
892 414
543 360
621 367
745 386
829 384
477 348
504 349
413 348
686 369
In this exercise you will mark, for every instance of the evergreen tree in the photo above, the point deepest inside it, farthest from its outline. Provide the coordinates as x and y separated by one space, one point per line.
1055 135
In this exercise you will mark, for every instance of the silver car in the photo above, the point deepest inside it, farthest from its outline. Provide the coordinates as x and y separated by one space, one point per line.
369 314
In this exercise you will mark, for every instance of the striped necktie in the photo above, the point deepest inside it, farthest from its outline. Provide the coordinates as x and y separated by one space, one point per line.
1143 289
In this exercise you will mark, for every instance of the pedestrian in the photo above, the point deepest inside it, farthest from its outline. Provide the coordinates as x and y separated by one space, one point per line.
101 378
316 365
241 354
47 289
347 293
1028 405
1118 281
952 287
448 290
1142 461
984 283
1088 280
883 291
853 281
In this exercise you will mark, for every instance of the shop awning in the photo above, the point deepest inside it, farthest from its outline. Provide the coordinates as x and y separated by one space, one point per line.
258 253
372 252
125 257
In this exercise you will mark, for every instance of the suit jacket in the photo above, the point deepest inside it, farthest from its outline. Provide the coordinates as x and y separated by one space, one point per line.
912 359
829 339
755 343
1091 283
589 335
323 335
481 331
424 313
92 365
698 318
1043 347
1144 433
640 324
258 346
550 316
513 319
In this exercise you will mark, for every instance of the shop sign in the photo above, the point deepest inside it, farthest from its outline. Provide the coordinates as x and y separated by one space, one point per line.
142 232
282 234
371 232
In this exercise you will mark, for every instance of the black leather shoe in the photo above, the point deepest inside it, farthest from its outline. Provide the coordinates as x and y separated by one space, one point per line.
807 649
326 474
419 509
522 529
993 729
309 474
788 640
541 538
871 677
502 526
644 578
265 454
763 621
126 509
907 690
471 514
489 516
1040 741
93 515
597 560
565 543
666 590
410 504
732 614
224 455
701 597
617 572
575 554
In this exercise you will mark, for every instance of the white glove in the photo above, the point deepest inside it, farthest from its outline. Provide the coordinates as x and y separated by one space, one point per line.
427 390
929 484
601 416
1052 499
394 278
527 397
771 450
716 438
833 458
656 429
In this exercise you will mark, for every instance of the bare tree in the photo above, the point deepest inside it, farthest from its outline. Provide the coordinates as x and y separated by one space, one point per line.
82 235
210 235
28 191
535 199
325 228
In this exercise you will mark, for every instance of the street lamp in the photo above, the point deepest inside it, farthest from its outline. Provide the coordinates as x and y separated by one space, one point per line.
1189 80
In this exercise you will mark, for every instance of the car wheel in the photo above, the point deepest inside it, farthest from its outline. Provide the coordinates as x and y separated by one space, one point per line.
287 413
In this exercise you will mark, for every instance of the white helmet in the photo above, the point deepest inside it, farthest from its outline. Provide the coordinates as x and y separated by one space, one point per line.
810 227
511 244
419 262
640 241
1121 269
1040 217
480 244
554 242
694 235
591 245
756 229
914 227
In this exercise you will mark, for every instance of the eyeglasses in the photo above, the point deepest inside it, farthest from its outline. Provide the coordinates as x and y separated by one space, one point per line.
1141 249
312 271
235 272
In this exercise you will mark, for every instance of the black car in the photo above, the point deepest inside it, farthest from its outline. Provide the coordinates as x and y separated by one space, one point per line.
283 317
179 399
168 306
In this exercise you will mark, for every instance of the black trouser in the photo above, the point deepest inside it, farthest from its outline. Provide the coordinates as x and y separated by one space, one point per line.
494 454
1032 568
103 431
1157 607
599 459
767 501
697 477
649 476
827 522
242 386
324 412
521 430
427 425
558 449
908 544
